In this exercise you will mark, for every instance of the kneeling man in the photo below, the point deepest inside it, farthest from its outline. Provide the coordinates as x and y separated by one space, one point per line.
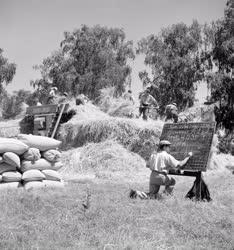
160 163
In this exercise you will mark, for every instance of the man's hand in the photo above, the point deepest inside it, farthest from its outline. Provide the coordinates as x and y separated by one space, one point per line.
190 154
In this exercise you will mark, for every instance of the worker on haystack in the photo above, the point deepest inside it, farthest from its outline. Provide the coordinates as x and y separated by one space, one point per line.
52 95
81 99
129 97
160 163
146 101
38 103
171 112
63 98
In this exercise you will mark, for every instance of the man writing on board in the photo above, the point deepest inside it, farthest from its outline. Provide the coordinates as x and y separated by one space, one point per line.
160 163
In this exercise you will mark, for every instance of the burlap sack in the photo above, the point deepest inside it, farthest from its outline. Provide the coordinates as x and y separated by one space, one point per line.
12 159
33 175
53 184
52 155
32 154
34 185
12 176
1 160
12 145
43 143
4 167
52 175
41 164
10 185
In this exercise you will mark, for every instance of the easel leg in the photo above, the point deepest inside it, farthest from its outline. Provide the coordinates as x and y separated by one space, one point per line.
198 186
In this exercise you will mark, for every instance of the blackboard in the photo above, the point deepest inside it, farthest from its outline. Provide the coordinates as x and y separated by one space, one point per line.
190 137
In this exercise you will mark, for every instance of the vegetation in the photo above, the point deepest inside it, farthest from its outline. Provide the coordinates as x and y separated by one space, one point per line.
89 59
108 219
7 71
173 56
219 53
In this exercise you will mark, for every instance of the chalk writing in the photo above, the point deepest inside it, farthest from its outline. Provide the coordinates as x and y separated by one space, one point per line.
187 137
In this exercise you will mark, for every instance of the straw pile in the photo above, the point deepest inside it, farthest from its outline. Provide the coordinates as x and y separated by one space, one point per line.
29 162
92 125
103 159
117 107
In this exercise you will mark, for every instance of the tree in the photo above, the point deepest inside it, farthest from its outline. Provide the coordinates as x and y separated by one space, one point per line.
174 58
7 71
89 60
220 56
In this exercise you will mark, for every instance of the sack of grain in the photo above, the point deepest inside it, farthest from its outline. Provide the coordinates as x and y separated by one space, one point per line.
41 164
11 176
34 185
4 167
12 159
33 175
10 185
52 175
52 155
12 145
32 154
53 184
1 160
43 143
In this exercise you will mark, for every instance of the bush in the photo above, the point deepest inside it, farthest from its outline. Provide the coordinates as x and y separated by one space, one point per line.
11 107
224 142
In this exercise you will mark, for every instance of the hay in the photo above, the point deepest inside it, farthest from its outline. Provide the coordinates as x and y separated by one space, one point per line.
9 128
134 134
117 107
221 162
102 159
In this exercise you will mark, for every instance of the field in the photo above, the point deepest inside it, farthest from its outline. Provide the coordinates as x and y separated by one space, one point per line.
58 220
94 211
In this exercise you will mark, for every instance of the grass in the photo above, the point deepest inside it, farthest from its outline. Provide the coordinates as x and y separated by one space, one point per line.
57 220
96 213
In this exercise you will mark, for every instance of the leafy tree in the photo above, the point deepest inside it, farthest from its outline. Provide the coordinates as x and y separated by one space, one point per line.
219 55
89 60
12 105
7 71
174 58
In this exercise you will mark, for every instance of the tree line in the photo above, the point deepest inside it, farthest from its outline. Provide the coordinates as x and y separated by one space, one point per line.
93 58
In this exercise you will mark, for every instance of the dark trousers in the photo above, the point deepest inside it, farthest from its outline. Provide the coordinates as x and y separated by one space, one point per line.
172 115
143 109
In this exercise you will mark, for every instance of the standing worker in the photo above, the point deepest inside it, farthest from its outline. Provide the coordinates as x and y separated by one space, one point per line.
129 97
52 95
172 112
146 100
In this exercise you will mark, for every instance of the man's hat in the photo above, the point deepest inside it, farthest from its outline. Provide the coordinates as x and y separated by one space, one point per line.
174 104
164 143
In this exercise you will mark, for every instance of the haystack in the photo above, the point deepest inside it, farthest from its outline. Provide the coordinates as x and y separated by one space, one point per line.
103 159
92 125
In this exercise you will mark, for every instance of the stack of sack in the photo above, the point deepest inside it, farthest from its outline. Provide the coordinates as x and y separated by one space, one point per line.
31 161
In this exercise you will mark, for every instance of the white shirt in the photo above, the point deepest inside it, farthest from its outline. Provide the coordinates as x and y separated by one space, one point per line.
162 162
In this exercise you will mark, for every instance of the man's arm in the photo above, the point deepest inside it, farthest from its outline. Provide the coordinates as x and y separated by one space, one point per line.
184 162
153 100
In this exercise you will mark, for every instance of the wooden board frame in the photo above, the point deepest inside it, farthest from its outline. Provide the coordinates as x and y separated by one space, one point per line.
196 137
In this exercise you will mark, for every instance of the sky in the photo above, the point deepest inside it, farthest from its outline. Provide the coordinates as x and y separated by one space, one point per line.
31 29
